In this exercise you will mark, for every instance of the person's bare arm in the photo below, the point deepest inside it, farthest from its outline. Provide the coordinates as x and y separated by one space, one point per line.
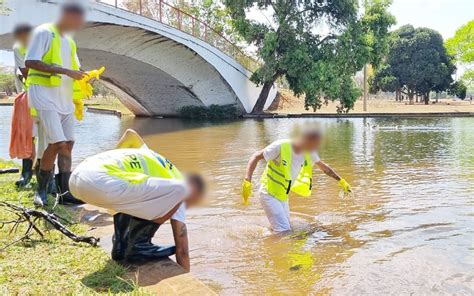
328 170
180 234
252 164
43 67
24 72
130 139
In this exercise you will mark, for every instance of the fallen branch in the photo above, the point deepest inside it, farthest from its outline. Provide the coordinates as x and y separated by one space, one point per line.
31 216
9 171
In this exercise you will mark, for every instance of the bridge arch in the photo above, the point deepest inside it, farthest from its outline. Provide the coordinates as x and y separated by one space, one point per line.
154 68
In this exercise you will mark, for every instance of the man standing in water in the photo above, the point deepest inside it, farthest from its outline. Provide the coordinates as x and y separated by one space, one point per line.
53 74
289 168
145 190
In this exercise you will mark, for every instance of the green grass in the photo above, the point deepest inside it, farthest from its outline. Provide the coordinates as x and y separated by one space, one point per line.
53 264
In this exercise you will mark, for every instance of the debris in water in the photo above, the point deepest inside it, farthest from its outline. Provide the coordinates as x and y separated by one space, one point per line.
296 267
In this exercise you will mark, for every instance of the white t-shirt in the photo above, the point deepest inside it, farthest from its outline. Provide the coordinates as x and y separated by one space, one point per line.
180 214
272 152
58 99
19 63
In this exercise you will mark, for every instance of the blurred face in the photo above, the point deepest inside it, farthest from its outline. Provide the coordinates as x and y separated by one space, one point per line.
23 38
73 21
310 142
196 195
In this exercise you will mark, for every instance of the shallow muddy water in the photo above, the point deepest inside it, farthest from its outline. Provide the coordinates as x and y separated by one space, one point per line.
409 229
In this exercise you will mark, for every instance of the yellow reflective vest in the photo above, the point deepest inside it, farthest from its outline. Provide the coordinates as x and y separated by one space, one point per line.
276 178
53 57
136 165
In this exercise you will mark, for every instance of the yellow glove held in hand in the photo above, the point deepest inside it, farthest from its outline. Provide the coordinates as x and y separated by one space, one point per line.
86 90
246 191
346 187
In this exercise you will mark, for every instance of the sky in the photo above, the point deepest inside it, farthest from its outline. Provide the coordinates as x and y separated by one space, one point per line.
445 16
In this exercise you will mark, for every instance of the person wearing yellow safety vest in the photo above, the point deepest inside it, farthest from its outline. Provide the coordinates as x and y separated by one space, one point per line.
289 169
54 70
144 190
21 34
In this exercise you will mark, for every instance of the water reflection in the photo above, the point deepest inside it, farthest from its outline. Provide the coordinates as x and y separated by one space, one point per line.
408 230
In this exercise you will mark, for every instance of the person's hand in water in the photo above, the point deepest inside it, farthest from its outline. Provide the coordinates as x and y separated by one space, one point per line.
346 187
246 191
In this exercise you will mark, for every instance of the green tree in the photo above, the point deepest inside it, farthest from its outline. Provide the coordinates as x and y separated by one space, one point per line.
462 47
3 8
319 66
7 83
458 89
416 64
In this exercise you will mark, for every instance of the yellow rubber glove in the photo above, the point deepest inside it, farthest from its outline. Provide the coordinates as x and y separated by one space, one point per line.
87 91
246 191
346 187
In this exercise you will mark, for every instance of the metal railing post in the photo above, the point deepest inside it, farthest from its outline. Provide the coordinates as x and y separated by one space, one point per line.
161 11
179 18
194 27
140 8
116 3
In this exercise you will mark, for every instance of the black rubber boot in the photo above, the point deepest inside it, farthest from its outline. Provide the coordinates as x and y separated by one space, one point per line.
140 248
41 194
37 167
65 196
53 185
26 173
120 237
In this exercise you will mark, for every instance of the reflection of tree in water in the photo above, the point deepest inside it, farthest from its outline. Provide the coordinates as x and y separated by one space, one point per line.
417 142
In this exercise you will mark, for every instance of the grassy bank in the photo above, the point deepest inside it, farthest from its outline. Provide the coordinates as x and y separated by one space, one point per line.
108 103
53 264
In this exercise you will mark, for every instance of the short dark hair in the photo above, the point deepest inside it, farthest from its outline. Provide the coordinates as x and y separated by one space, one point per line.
22 29
198 181
75 8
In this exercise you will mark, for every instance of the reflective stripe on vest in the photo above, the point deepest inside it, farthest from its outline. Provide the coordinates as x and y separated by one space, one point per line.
53 57
276 178
137 167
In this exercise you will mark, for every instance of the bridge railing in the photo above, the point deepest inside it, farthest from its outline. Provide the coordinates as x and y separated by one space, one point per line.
177 18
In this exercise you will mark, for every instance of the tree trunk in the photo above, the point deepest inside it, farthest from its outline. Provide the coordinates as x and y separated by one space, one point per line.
410 97
262 98
426 97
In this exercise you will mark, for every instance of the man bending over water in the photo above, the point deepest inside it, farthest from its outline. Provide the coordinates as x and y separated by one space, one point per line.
145 190
289 168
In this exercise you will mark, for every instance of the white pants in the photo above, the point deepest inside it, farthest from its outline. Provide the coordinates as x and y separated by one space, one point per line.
56 127
278 212
38 133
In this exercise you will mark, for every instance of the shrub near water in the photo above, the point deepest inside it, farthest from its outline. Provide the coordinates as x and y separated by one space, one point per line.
213 112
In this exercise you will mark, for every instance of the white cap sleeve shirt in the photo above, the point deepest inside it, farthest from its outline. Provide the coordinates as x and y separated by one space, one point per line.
180 214
59 98
272 152
151 199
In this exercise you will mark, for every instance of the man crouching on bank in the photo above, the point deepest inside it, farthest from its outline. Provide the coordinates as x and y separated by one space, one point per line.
145 190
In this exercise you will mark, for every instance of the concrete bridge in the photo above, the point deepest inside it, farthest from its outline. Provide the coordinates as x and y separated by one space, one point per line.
155 64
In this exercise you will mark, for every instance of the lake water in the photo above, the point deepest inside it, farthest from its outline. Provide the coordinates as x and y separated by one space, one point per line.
409 228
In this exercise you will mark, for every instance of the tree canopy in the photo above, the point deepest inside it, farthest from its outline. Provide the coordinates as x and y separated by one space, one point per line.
458 89
462 47
317 46
210 12
416 64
